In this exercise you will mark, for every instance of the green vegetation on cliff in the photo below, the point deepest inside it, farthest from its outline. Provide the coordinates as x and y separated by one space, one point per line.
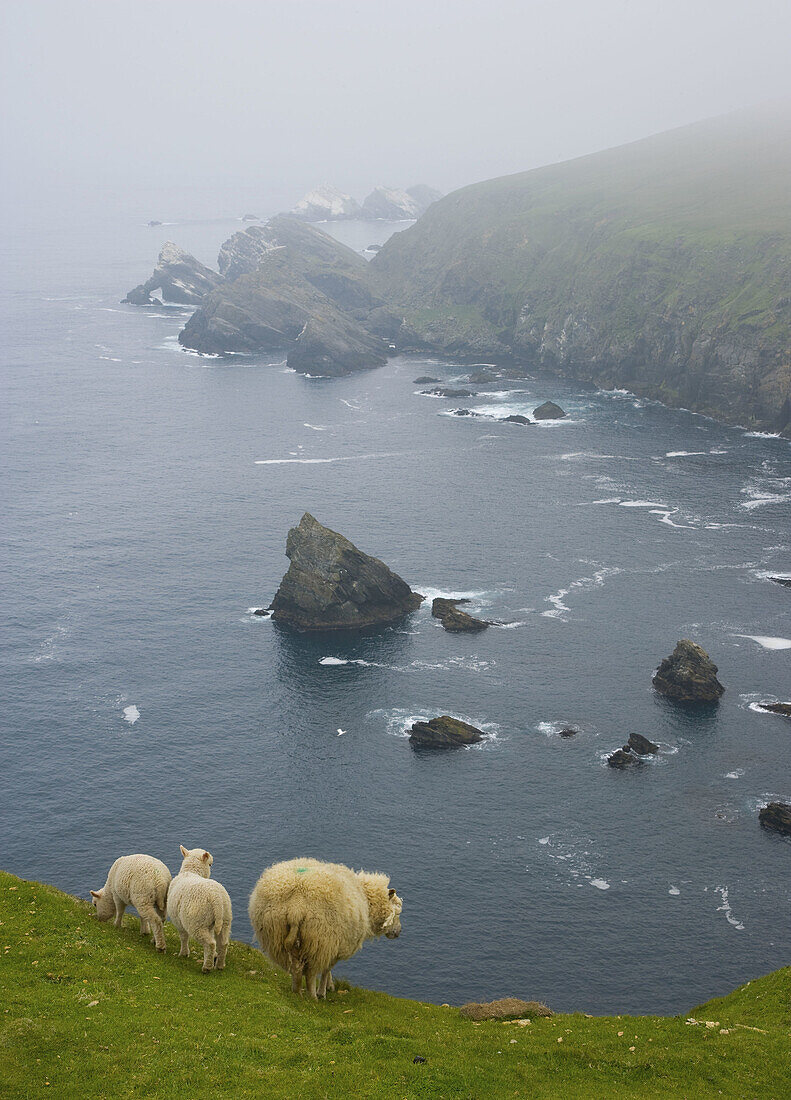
90 1011
663 266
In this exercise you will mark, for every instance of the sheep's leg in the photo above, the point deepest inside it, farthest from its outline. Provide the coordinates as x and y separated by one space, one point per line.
150 919
330 984
143 925
222 948
120 909
310 983
185 943
209 949
296 978
323 984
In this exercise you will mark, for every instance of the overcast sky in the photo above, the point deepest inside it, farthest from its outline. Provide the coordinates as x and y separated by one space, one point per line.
282 95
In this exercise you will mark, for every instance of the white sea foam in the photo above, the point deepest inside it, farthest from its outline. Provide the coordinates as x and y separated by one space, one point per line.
736 774
596 580
346 661
665 516
674 890
315 427
641 504
131 714
766 641
324 461
726 908
685 454
599 883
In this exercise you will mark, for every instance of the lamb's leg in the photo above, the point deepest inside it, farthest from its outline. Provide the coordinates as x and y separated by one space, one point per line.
209 949
330 984
323 984
143 925
310 983
222 948
185 943
120 909
153 922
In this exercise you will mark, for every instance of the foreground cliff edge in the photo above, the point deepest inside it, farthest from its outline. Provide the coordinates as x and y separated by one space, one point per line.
91 1011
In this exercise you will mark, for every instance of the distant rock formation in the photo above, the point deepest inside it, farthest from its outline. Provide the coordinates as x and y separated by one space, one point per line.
424 380
622 758
776 816
777 708
447 391
688 675
548 411
178 277
516 418
423 195
250 218
327 203
244 251
331 585
391 204
453 620
444 733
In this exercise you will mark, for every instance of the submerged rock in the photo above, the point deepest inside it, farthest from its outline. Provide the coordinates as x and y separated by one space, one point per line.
483 377
178 277
464 412
447 611
568 731
515 418
331 585
622 758
447 391
548 411
776 816
425 380
444 733
641 745
785 581
777 708
688 675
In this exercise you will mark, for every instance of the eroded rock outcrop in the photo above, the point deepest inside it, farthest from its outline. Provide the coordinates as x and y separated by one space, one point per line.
776 816
178 277
454 620
688 675
783 709
548 411
391 204
641 745
444 733
327 203
331 585
622 758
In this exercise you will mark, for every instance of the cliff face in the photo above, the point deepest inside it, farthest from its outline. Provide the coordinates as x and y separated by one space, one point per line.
663 267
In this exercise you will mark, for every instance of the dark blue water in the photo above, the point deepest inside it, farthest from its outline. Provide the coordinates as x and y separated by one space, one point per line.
147 494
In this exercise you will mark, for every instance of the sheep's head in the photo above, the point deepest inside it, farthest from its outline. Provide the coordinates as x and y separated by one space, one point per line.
392 922
103 904
197 860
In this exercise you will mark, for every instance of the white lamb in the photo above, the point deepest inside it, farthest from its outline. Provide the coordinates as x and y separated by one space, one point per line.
200 908
137 880
309 915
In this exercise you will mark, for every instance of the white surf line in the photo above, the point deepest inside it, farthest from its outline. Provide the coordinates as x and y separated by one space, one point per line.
322 461
766 641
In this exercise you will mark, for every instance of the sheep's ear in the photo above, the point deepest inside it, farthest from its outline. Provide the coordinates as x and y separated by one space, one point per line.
96 893
184 851
391 893
205 856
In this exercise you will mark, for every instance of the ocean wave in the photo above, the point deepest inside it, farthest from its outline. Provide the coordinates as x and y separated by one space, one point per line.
323 461
685 454
315 427
131 714
596 580
726 908
766 641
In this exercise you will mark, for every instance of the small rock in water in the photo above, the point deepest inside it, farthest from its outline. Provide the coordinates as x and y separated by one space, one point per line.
425 380
622 758
776 816
548 411
483 378
568 731
447 391
515 418
688 675
777 708
262 611
785 581
443 733
641 745
452 619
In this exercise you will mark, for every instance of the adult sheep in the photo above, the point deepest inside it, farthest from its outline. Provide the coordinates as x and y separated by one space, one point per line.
138 880
309 915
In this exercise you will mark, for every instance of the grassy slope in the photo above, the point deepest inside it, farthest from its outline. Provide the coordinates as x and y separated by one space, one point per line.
680 236
89 1011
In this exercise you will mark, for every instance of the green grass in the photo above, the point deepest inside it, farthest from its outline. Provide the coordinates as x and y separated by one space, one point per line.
90 1011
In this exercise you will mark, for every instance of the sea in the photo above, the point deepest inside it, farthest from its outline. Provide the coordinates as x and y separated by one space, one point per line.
146 497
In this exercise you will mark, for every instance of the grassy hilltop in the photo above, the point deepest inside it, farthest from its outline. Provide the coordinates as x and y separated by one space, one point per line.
663 266
89 1011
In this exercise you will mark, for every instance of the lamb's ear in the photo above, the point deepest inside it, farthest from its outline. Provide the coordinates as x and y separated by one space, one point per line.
96 893
391 893
184 851
205 856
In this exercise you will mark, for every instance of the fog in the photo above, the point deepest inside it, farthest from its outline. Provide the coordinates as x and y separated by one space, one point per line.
271 98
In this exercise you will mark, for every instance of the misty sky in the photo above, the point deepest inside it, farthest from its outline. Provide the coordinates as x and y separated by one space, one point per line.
284 95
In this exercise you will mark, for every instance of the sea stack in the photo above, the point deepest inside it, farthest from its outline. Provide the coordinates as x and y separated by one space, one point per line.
548 411
447 611
688 675
776 816
331 585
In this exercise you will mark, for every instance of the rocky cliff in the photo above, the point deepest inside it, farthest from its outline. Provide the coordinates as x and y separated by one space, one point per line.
178 277
663 267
